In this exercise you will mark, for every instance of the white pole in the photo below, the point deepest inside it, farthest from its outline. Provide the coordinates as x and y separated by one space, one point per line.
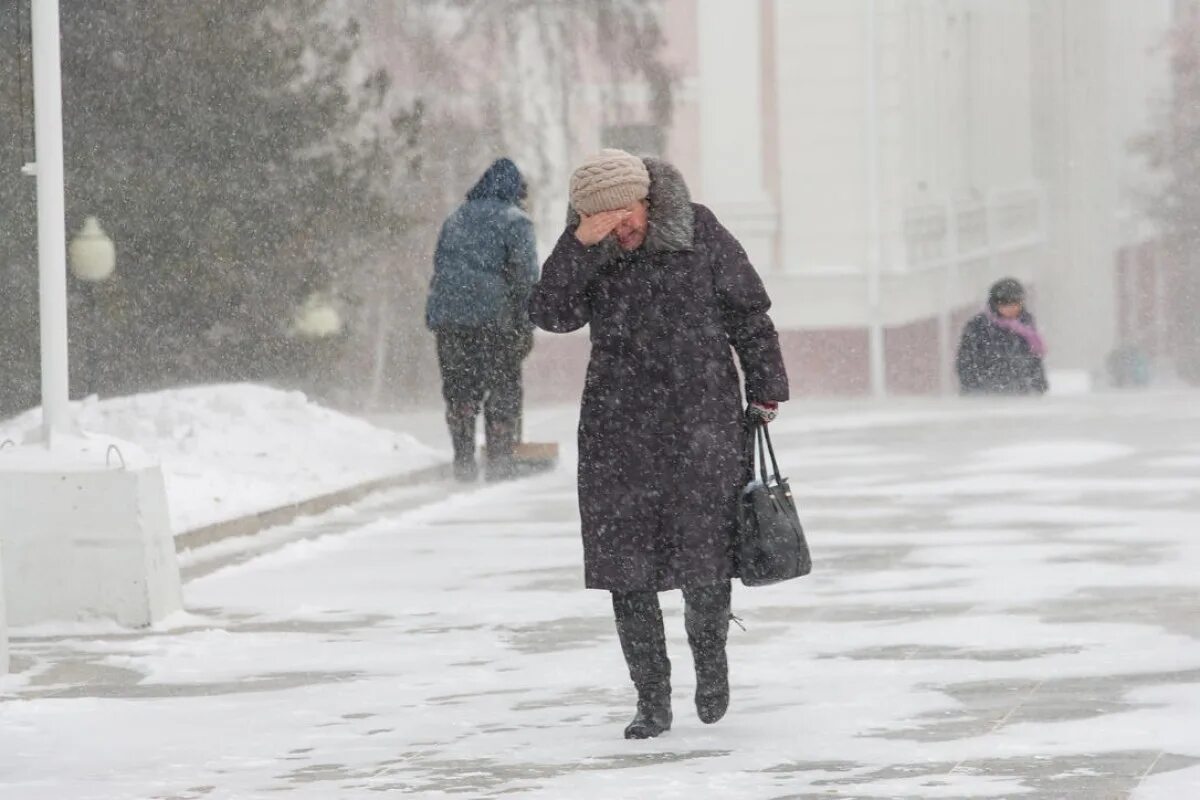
51 207
874 212
946 343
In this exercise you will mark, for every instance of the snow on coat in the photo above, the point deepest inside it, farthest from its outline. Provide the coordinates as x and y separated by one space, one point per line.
994 360
662 431
485 263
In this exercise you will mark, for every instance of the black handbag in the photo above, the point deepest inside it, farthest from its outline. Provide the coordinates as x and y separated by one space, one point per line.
770 546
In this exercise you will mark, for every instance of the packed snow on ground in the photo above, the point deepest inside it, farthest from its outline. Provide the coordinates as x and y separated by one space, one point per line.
1039 643
231 450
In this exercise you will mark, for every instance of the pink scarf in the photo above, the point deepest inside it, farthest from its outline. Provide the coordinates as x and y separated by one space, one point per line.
1026 332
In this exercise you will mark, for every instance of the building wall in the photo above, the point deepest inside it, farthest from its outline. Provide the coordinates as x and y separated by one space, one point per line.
731 179
682 54
819 87
952 122
1140 90
1099 73
1000 132
992 134
950 138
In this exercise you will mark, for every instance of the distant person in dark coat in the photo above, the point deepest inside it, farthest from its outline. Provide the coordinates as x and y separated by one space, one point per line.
1001 350
670 295
483 271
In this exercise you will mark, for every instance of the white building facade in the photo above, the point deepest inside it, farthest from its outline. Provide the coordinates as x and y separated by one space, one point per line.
884 161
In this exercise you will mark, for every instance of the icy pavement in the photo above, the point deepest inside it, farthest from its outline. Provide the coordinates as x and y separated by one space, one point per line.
1005 603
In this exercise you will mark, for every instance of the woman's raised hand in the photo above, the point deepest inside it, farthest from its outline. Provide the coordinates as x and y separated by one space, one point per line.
592 229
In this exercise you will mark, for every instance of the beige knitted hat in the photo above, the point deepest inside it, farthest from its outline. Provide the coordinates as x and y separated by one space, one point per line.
608 180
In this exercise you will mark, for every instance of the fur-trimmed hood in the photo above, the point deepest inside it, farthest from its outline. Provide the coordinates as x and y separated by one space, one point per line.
671 227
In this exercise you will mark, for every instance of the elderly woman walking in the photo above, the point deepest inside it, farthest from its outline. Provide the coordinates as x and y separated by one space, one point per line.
670 295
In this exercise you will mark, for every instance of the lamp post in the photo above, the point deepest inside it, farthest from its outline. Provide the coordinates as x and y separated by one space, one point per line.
876 341
85 529
51 217
93 257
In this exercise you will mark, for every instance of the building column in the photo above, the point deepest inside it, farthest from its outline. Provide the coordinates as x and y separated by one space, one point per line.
731 126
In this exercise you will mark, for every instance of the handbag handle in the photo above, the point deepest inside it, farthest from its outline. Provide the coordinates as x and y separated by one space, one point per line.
763 436
760 455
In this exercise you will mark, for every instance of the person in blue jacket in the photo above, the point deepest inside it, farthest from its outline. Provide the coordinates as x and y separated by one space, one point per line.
484 269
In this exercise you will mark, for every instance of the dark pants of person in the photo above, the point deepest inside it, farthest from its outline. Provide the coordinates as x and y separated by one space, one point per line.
481 368
643 640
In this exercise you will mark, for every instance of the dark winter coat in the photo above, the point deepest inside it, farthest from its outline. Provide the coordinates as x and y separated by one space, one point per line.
485 263
661 430
992 360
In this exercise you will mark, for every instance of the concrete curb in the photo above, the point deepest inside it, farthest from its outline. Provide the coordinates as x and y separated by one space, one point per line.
260 521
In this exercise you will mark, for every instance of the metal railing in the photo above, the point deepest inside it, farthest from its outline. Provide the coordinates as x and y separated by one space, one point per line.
935 235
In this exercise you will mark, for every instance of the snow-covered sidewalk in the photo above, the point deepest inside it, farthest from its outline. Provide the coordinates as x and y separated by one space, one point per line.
1004 604
232 450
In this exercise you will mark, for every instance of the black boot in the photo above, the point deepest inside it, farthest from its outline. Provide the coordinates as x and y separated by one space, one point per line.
502 405
461 421
640 628
706 619
466 470
501 447
653 715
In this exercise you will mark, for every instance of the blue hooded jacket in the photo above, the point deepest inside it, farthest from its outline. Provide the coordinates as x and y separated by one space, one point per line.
485 264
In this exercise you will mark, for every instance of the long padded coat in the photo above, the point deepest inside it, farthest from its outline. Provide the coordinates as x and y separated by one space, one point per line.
662 428
992 360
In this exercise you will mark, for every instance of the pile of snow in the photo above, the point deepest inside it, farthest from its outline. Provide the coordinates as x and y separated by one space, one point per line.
232 450
1069 382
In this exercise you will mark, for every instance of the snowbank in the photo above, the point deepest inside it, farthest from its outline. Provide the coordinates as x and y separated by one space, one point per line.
231 450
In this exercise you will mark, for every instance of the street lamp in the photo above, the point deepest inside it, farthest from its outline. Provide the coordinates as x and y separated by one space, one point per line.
93 255
92 258
316 322
317 317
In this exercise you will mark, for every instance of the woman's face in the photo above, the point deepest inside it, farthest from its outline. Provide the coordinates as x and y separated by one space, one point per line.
1009 310
631 231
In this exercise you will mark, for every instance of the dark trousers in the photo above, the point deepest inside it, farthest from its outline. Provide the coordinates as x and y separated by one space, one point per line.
643 640
481 369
